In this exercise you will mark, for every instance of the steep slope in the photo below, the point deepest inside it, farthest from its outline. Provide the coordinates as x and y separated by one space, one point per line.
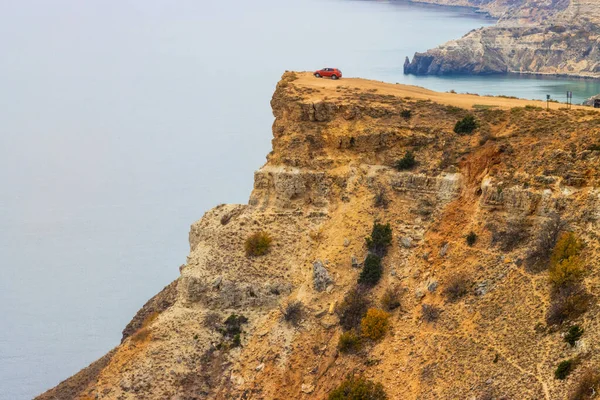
558 37
334 147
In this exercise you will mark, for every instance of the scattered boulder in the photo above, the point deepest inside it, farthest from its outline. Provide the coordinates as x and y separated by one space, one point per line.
406 242
321 278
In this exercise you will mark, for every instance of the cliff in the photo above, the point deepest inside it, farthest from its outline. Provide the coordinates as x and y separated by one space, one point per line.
558 37
219 331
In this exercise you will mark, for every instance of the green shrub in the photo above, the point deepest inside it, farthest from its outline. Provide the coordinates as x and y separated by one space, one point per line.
466 125
360 388
380 239
406 162
390 299
258 244
471 238
353 308
372 271
406 113
594 147
564 369
574 334
349 342
375 324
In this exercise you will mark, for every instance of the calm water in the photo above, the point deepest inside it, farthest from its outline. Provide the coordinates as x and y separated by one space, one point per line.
122 122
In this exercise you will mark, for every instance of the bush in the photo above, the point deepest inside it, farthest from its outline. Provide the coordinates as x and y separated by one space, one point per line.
258 244
466 125
372 271
564 369
574 334
292 312
406 114
381 200
537 258
430 312
375 324
567 246
353 308
349 342
514 233
566 272
568 303
358 389
390 299
233 325
380 240
587 385
471 238
406 162
457 287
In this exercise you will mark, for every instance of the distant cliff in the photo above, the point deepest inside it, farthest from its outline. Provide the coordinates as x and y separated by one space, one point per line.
558 37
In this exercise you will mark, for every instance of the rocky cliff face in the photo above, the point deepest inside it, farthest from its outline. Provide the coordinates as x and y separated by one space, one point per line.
219 332
558 37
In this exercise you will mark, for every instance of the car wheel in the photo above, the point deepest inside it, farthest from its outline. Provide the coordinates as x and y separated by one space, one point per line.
317 75
334 77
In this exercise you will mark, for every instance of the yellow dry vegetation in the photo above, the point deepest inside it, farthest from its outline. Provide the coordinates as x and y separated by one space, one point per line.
375 324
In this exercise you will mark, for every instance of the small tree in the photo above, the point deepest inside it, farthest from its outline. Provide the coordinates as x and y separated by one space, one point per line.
406 162
466 125
375 324
380 239
372 271
258 244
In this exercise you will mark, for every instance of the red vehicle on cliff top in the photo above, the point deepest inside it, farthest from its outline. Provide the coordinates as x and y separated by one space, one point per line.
332 73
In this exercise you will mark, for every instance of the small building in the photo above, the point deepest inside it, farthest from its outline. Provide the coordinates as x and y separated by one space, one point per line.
596 103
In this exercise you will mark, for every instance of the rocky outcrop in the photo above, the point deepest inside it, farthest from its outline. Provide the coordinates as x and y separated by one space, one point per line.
219 331
533 37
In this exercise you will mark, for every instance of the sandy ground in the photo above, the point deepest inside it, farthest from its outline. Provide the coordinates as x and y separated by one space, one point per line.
306 79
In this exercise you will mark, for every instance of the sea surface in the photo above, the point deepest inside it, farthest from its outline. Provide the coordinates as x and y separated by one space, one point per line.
122 122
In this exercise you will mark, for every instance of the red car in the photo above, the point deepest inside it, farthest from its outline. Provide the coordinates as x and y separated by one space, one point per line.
332 73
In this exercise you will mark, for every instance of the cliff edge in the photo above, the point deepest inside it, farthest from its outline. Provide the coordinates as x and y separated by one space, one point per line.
225 330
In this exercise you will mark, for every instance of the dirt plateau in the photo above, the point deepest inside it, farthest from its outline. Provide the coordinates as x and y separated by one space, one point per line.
334 147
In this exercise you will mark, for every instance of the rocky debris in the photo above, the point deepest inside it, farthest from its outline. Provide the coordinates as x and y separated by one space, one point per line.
307 388
406 242
355 263
444 249
432 285
321 278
